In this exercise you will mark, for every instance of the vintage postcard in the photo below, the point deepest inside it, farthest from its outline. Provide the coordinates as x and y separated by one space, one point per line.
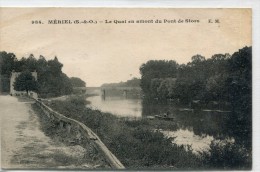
126 88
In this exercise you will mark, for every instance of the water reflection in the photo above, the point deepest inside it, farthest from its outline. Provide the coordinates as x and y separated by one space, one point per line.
186 137
197 128
199 122
117 105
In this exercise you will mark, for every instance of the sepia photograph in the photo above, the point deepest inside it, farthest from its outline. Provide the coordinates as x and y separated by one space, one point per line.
126 88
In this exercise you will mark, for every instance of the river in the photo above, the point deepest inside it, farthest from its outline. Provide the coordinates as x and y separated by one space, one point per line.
117 106
197 129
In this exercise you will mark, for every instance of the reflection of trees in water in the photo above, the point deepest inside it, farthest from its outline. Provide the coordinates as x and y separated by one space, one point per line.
151 107
223 79
218 125
212 123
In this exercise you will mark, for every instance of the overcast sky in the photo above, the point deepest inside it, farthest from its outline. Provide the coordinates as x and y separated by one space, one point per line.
104 53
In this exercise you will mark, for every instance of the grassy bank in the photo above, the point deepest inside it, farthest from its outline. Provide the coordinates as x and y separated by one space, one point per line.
137 144
84 155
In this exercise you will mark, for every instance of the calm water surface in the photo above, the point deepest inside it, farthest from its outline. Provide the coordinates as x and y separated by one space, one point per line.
195 129
117 106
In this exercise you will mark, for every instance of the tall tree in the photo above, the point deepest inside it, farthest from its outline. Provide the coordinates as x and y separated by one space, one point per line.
156 69
7 64
239 86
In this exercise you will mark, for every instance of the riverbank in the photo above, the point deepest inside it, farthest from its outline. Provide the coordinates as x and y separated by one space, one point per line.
139 145
86 158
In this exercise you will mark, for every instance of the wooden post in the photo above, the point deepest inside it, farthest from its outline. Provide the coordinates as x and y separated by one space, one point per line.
61 124
68 127
78 134
104 94
125 94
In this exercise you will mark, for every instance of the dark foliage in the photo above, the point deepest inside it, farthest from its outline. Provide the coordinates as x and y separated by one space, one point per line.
77 82
227 156
7 61
52 81
223 79
26 82
160 69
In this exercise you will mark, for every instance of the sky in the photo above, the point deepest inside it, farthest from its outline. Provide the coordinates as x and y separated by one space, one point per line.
108 52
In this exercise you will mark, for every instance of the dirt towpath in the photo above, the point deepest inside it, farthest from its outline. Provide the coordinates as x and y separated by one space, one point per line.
24 145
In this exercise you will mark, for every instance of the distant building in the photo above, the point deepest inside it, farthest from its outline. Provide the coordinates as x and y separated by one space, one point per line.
13 92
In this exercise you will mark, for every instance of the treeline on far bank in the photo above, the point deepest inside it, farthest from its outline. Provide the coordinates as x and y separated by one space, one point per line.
134 82
223 78
52 82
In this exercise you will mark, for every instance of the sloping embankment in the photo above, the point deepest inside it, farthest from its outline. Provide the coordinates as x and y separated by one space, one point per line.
82 134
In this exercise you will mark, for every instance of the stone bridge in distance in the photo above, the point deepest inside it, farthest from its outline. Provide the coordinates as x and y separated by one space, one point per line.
126 92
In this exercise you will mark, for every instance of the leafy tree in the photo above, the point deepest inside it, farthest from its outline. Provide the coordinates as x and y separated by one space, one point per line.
55 66
239 86
7 63
31 63
20 65
215 87
155 84
77 82
156 69
25 82
66 87
51 80
197 59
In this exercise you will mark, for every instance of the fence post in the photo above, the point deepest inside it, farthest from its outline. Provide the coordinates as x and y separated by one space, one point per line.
68 127
61 124
82 131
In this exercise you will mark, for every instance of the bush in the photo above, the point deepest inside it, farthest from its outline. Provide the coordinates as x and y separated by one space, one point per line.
227 155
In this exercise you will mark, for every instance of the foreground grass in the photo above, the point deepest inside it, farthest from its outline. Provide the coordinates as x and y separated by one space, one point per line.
84 156
138 146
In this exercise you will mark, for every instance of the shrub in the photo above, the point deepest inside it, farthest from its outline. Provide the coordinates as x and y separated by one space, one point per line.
227 155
